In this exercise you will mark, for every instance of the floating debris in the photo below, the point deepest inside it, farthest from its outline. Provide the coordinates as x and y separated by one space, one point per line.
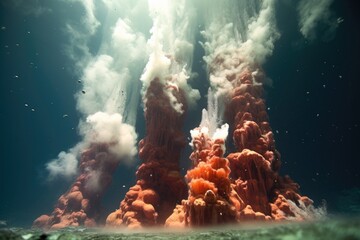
83 91
65 115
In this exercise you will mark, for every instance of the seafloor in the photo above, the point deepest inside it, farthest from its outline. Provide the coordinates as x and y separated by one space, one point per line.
339 228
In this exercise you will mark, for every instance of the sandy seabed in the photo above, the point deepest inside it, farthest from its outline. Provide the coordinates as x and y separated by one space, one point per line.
330 228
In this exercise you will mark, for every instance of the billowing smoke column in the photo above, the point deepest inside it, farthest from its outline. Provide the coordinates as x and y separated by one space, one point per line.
108 100
166 95
245 185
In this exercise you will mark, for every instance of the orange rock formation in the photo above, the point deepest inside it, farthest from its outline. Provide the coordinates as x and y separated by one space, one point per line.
80 205
255 165
159 185
245 185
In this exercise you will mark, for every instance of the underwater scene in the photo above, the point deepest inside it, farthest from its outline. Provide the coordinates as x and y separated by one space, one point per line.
186 119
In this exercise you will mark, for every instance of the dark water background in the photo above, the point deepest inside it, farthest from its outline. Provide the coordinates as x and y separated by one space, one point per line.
313 102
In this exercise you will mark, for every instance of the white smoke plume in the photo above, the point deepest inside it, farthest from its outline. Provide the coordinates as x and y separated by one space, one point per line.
110 92
171 49
109 128
243 33
65 164
77 49
210 121
109 96
312 14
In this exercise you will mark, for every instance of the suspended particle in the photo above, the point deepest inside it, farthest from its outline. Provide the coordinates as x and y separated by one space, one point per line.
33 110
79 81
83 91
340 20
65 115
26 105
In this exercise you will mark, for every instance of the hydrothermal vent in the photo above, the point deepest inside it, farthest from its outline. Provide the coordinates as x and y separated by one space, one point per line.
159 184
80 205
245 185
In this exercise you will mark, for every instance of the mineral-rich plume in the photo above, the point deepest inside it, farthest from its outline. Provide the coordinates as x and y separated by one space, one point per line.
80 205
159 184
